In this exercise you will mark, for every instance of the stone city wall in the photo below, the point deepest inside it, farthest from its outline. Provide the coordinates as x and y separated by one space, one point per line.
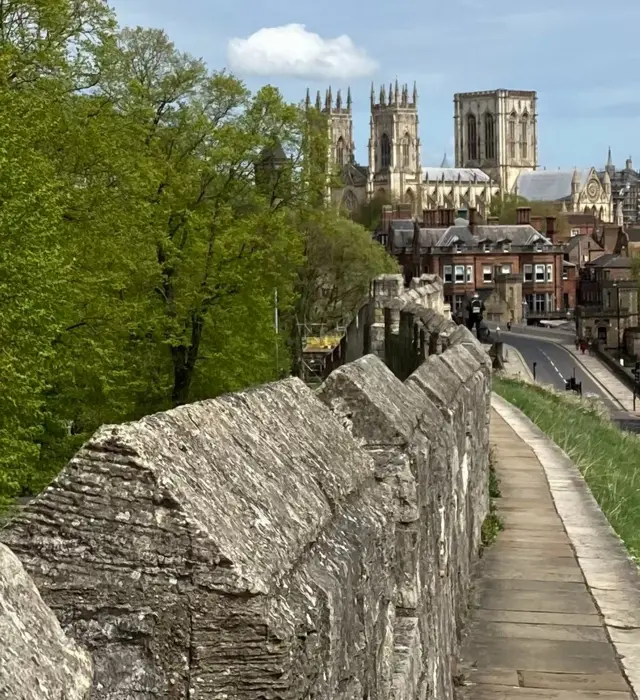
277 543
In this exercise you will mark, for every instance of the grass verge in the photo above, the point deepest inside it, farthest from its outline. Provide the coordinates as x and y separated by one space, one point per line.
608 458
492 524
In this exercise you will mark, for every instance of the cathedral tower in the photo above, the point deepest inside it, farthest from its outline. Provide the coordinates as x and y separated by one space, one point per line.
497 131
340 122
394 145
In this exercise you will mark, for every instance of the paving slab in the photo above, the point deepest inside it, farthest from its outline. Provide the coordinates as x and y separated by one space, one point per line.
535 629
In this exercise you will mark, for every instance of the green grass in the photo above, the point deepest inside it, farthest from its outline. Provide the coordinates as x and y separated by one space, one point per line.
608 458
492 524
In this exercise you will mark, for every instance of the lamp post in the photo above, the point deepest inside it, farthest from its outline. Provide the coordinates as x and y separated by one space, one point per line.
615 284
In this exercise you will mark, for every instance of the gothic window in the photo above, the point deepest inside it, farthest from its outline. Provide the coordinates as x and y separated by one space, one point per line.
472 137
349 201
406 143
524 136
511 135
489 136
385 151
411 200
340 151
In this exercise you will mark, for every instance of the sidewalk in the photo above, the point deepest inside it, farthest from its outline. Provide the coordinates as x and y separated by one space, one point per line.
604 376
536 632
515 367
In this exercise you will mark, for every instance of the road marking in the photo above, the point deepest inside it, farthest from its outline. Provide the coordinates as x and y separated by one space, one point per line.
553 364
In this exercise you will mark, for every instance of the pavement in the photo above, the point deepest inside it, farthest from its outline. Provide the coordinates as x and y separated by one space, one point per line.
557 609
556 359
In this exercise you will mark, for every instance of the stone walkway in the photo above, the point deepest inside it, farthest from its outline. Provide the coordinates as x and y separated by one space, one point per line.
604 376
537 632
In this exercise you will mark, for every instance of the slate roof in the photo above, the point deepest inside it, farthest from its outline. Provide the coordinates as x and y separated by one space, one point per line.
464 174
573 242
611 260
354 174
549 185
520 236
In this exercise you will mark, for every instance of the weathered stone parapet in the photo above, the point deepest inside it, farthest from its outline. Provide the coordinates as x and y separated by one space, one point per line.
277 543
37 660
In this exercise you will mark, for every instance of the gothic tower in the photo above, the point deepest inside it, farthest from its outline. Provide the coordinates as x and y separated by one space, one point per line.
340 124
394 146
497 131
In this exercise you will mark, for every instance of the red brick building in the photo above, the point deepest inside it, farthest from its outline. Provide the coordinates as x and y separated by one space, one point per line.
472 256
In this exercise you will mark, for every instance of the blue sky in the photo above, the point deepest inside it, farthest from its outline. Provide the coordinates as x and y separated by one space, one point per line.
580 55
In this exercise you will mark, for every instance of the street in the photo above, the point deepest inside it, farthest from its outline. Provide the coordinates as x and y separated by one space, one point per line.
554 364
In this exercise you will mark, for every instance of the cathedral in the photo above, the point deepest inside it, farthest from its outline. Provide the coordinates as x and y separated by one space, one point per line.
496 152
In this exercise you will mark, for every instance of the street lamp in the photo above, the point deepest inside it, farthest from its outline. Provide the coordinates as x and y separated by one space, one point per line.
617 288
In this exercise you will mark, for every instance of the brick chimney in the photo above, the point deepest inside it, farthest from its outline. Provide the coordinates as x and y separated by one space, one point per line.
551 228
523 215
404 211
429 218
473 221
536 222
387 217
451 217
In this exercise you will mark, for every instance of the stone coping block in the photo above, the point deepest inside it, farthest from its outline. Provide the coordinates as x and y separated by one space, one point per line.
37 660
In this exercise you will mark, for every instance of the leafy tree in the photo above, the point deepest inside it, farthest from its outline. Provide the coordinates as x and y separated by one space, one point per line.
505 209
369 214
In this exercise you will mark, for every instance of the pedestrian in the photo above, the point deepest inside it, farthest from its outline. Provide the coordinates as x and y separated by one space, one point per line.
583 346
508 325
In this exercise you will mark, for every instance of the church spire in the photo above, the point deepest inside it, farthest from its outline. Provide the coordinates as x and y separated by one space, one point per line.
373 94
396 93
415 93
390 93
339 100
328 102
318 101
349 98
307 99
609 167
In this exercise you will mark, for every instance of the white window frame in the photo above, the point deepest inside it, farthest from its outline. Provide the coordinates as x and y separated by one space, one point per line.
469 273
549 273
458 271
528 273
539 273
506 269
575 232
447 273
487 273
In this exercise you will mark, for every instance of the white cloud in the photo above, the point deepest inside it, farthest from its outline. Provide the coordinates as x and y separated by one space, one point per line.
292 50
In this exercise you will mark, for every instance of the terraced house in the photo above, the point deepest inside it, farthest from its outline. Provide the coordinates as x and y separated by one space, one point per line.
518 270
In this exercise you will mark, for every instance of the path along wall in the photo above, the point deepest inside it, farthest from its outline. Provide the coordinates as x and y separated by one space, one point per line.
277 543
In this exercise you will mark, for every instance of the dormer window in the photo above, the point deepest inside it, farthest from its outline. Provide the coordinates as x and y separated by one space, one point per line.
506 246
458 247
486 246
538 247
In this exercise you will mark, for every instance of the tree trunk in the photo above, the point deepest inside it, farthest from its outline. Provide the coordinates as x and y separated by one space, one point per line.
184 358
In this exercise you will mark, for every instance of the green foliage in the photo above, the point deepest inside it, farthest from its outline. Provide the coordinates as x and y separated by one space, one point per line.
492 524
369 214
505 207
607 457
142 245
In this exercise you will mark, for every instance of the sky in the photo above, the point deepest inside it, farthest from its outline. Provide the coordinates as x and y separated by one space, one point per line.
579 55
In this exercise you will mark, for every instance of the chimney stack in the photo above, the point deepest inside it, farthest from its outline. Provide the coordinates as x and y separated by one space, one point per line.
429 218
451 217
473 221
387 216
523 216
536 222
551 228
493 221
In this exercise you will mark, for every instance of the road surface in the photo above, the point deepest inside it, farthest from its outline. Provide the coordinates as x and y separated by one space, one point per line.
554 364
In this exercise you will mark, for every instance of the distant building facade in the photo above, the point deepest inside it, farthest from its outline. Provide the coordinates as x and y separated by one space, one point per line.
517 269
625 187
496 152
497 131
